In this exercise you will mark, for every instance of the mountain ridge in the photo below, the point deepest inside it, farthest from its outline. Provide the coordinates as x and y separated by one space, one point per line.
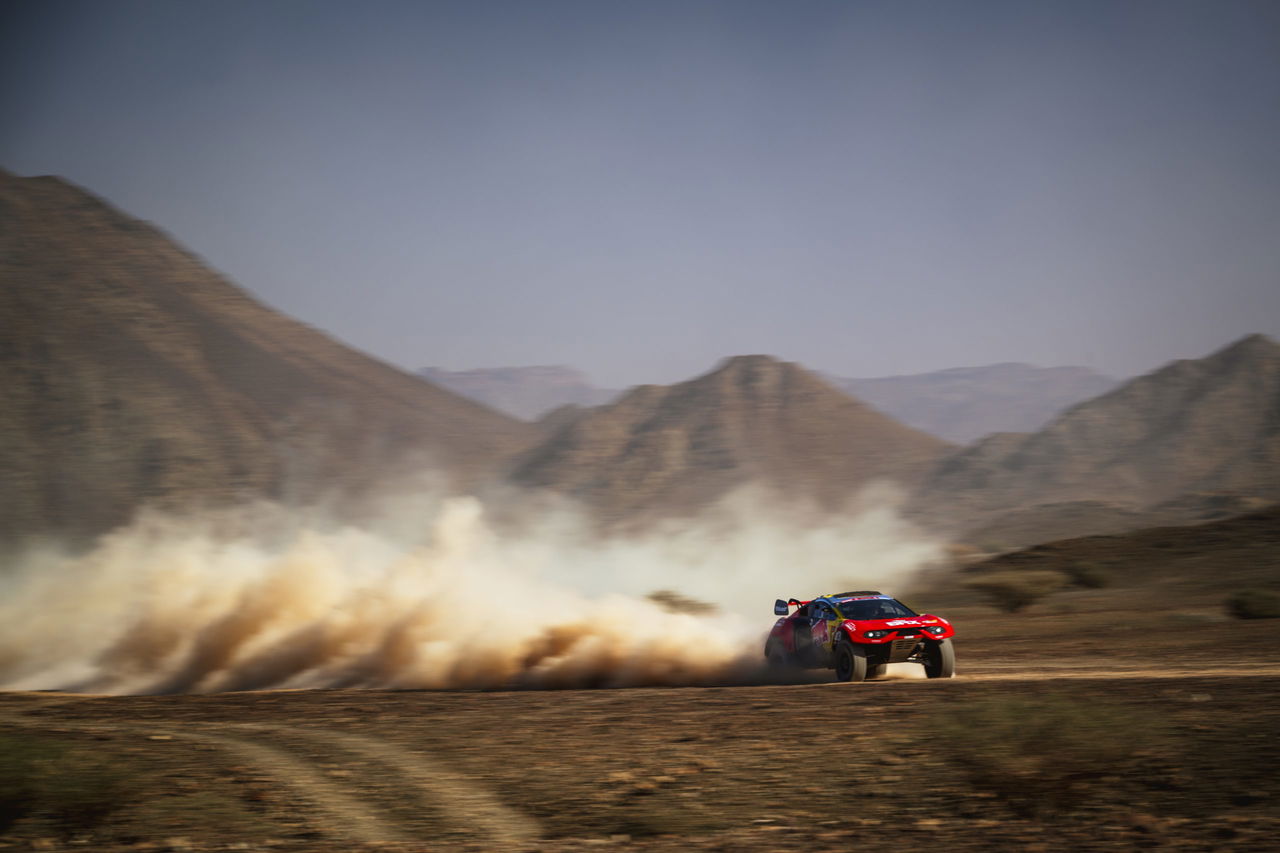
963 404
751 419
139 375
1195 425
528 393
956 404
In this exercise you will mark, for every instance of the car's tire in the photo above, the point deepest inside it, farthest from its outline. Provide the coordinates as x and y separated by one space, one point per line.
877 670
851 662
776 655
940 659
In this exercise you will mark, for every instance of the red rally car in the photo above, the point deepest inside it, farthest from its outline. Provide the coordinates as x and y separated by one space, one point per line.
857 633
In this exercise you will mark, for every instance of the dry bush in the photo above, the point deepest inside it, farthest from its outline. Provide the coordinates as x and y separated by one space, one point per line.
1041 755
1254 604
1015 591
65 790
20 761
1088 574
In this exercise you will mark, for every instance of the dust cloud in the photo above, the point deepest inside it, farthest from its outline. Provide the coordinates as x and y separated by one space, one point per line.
431 593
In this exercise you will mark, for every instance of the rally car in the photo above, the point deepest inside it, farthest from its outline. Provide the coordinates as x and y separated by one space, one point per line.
857 634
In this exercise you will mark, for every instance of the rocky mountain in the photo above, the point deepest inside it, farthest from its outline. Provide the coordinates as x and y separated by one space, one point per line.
527 393
964 404
133 373
958 405
753 419
1200 425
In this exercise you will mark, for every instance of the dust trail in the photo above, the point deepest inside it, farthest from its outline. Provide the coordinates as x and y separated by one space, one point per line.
430 594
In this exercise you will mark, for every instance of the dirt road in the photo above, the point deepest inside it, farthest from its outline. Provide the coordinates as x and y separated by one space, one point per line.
1177 758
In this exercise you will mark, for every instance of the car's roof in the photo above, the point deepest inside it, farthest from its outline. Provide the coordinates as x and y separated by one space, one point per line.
858 593
863 595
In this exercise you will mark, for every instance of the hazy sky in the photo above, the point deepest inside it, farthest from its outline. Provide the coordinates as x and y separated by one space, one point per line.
640 188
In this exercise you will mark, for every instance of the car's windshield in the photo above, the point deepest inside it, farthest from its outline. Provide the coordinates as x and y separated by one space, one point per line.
873 608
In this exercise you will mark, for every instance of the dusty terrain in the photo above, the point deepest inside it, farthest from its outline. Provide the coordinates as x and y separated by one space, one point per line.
1137 751
1137 714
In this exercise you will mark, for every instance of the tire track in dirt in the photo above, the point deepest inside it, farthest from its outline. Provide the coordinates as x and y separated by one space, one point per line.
470 805
335 812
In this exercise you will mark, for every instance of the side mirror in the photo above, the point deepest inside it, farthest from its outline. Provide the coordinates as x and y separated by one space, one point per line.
779 608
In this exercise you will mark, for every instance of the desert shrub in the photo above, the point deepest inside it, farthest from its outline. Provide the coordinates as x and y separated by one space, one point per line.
677 603
68 791
1038 755
22 765
1088 574
1254 604
1015 591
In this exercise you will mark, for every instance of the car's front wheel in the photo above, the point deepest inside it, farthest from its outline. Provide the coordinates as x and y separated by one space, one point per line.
940 659
851 662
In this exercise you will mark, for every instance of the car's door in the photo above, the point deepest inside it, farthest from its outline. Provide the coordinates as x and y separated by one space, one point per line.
801 631
821 630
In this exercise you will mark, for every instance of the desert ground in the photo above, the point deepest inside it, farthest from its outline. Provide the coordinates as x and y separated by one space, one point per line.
1063 731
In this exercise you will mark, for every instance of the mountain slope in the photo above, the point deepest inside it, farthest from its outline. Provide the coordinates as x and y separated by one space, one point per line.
527 393
965 403
1242 549
1202 425
664 449
134 373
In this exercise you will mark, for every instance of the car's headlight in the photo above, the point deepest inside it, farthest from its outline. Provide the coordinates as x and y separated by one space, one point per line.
874 635
936 629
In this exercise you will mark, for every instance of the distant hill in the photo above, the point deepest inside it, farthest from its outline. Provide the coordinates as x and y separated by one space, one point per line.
1243 549
1155 595
963 404
527 393
664 449
133 373
957 405
1022 527
1201 425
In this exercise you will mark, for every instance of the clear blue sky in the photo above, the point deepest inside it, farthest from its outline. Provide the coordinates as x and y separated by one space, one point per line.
640 188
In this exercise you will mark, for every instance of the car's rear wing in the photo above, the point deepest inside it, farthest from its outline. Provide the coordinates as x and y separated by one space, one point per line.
780 606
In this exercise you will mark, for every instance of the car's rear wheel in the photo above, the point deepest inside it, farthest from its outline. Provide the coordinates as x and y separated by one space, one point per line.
851 662
775 654
940 659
